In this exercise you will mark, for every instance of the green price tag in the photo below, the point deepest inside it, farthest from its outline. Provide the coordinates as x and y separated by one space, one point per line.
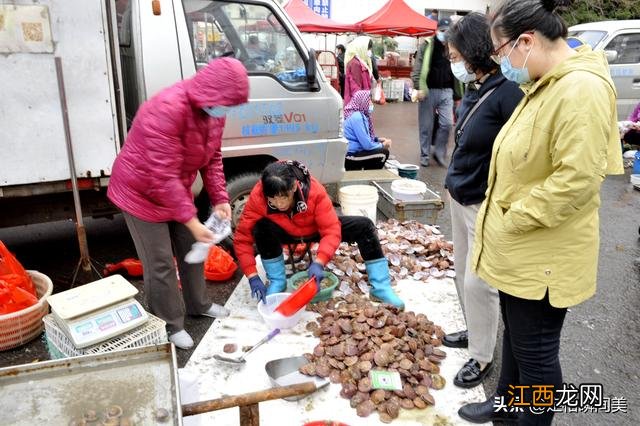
387 380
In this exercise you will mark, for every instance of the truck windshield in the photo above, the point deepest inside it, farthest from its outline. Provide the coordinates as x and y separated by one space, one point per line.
592 38
248 32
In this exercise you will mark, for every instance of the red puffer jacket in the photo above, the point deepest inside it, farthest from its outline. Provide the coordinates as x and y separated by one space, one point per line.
319 218
171 139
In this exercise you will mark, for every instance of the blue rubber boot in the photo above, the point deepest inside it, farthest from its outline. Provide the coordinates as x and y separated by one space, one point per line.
380 281
276 274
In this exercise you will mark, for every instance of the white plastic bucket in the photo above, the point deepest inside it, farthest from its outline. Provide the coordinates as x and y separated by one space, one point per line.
408 189
359 200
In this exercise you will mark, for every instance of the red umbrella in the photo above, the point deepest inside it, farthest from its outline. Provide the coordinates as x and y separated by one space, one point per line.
397 18
310 22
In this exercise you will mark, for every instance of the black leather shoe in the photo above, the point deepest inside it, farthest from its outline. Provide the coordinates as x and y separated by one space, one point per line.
458 339
471 375
483 412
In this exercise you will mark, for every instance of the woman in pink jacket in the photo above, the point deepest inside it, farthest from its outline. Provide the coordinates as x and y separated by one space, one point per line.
174 135
358 67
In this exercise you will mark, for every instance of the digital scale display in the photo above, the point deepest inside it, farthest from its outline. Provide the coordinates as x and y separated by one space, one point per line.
107 323
109 320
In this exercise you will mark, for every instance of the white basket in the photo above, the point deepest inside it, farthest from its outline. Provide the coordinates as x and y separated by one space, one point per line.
152 332
275 319
19 327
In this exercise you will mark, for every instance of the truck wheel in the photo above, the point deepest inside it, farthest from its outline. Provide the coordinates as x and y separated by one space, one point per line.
239 187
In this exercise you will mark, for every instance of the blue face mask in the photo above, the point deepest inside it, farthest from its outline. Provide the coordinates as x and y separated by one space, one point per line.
441 36
217 111
459 70
517 75
370 108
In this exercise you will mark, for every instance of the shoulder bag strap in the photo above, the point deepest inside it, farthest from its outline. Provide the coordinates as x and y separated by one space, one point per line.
475 107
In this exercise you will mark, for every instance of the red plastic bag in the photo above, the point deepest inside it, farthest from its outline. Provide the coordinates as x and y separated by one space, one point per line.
219 265
14 299
132 266
12 272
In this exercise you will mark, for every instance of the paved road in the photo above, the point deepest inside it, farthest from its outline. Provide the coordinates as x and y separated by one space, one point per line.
600 342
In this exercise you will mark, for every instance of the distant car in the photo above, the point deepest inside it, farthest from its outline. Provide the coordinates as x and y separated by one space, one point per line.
621 42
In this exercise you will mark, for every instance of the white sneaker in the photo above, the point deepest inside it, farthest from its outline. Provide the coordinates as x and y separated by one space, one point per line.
181 339
216 311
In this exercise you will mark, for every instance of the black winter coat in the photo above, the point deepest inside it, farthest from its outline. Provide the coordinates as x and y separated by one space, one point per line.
469 167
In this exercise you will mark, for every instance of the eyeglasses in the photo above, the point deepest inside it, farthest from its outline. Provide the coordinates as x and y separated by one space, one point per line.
495 55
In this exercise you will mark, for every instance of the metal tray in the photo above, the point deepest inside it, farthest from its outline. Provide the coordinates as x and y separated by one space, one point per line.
284 372
139 380
425 210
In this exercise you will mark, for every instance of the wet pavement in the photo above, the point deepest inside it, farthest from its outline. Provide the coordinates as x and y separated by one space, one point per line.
600 340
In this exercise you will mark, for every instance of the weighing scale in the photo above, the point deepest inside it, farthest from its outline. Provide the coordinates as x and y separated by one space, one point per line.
97 311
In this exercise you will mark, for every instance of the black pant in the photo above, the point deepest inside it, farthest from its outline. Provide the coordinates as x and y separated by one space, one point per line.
530 348
367 160
270 237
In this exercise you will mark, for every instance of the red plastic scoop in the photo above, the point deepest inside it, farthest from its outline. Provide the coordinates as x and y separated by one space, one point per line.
299 298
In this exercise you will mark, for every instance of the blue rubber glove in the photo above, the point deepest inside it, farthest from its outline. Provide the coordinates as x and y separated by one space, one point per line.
316 270
258 289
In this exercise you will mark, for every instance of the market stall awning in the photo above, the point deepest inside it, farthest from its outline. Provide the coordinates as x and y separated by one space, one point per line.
308 21
397 18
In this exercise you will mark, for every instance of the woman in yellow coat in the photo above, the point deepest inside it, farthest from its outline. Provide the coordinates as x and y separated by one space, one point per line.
537 230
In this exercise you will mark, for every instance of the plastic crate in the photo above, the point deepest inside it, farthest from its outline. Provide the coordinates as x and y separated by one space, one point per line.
152 332
394 90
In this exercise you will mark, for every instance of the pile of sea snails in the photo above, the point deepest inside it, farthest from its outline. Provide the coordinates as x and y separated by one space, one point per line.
357 337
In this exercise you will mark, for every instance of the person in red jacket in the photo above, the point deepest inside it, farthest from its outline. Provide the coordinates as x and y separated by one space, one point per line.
174 135
288 205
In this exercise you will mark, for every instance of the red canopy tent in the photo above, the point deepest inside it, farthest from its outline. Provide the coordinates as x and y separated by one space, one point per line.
308 21
397 18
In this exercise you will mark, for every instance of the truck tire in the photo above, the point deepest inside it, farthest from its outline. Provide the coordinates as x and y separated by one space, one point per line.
239 187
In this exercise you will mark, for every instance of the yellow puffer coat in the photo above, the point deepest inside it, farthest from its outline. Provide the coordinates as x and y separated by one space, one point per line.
538 226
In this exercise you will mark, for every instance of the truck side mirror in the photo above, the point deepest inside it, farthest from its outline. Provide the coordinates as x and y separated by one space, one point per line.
612 55
312 79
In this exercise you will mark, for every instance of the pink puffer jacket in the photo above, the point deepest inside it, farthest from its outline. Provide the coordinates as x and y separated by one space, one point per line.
171 139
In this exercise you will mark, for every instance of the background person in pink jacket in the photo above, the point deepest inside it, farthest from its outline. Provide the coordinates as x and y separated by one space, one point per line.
358 66
171 139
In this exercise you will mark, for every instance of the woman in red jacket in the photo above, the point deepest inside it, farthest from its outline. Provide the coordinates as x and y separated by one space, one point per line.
174 135
288 205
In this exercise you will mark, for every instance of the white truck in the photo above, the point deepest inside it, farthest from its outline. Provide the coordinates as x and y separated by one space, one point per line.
115 54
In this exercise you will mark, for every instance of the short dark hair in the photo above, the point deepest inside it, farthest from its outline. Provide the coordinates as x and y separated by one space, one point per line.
471 37
277 179
341 48
515 17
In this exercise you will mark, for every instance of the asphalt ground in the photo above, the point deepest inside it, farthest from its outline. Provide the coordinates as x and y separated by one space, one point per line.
601 337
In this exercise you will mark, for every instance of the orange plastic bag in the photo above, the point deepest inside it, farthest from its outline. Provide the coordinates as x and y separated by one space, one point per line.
219 265
12 272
